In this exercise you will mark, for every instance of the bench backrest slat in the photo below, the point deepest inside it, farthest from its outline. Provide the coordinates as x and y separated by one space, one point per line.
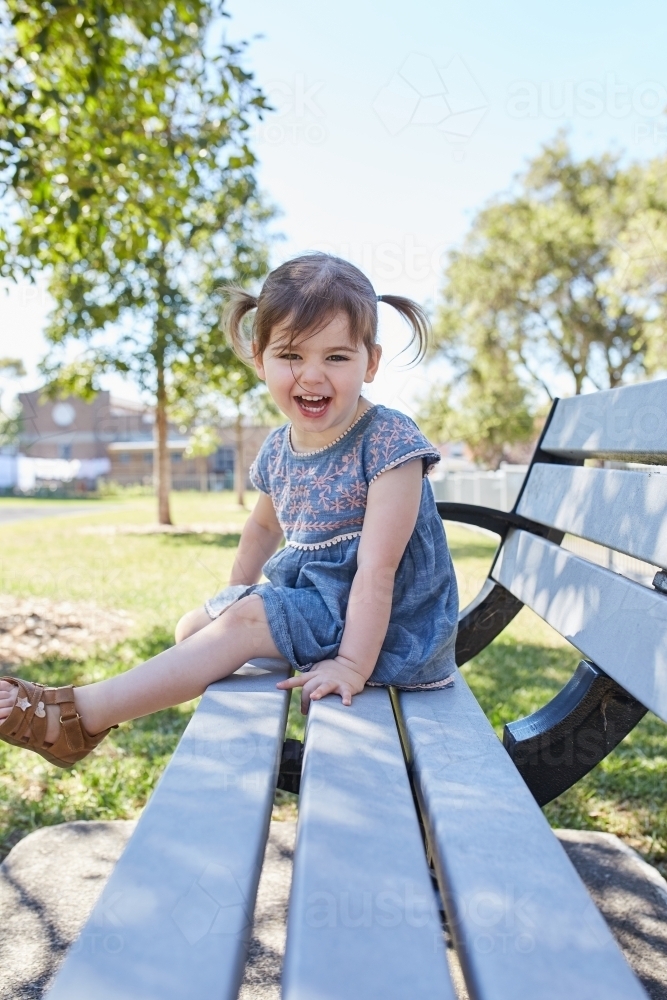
522 919
618 624
174 919
624 510
628 424
363 921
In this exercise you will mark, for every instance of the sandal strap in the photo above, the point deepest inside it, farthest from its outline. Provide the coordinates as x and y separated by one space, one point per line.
29 715
28 720
64 697
26 724
70 720
73 731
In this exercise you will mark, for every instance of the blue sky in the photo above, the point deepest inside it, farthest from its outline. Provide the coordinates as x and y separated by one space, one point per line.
396 122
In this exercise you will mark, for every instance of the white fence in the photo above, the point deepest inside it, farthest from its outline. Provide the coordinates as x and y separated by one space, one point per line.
485 489
26 474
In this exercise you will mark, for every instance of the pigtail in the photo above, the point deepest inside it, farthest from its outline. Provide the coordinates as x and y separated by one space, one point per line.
416 319
239 303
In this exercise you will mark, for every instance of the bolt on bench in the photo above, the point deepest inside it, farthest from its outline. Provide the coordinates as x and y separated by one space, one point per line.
399 771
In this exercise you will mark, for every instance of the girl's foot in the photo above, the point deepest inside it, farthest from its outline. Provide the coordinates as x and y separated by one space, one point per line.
9 692
44 720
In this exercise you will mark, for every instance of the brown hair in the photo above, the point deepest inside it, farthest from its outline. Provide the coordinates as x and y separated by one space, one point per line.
304 294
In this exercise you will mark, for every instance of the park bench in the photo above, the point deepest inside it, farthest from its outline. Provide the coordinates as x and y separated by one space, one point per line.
404 788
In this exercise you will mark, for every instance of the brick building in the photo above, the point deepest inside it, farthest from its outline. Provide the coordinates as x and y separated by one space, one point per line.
75 429
120 434
132 461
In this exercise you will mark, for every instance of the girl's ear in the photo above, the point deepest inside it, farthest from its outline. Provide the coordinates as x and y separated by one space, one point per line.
258 362
374 355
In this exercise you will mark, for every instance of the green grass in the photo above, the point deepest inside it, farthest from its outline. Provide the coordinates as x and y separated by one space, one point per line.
155 578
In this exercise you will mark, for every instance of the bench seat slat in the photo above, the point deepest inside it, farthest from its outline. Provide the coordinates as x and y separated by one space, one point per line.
523 922
174 920
618 624
628 424
363 920
624 510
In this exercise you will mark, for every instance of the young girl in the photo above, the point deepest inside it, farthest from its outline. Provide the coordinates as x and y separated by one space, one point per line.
363 591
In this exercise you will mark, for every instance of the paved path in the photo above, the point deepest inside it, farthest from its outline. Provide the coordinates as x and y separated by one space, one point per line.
8 514
51 879
632 897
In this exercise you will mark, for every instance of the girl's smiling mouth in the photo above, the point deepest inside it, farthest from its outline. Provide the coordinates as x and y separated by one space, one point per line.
312 406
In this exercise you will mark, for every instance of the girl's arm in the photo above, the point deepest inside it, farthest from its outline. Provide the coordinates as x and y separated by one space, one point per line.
259 540
391 515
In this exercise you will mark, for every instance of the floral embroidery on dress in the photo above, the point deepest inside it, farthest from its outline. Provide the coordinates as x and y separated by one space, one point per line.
320 497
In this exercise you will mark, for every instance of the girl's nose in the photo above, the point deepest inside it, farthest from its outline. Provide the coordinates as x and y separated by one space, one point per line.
311 374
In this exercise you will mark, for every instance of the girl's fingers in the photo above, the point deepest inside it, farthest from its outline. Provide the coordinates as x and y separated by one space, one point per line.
293 682
308 691
314 687
325 688
333 687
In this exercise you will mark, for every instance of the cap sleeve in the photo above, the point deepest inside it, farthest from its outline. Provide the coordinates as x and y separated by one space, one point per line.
392 440
259 472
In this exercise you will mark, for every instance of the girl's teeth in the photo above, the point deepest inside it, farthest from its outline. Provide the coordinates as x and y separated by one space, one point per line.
313 403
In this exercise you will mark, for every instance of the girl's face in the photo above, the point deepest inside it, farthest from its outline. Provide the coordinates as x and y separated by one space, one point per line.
317 381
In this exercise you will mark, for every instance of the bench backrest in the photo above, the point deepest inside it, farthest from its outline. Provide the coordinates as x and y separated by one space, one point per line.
617 623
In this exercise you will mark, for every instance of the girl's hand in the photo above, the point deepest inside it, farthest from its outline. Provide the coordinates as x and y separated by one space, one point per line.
326 677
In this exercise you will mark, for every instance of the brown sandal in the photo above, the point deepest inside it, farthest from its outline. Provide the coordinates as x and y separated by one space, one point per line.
25 725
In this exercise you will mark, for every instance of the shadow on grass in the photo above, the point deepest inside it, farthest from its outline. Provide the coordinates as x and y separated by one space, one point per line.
205 539
115 781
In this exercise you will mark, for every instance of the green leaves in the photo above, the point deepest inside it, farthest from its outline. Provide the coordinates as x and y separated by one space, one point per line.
563 282
10 423
550 272
494 409
128 178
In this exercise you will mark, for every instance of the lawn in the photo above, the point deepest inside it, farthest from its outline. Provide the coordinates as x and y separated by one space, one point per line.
155 578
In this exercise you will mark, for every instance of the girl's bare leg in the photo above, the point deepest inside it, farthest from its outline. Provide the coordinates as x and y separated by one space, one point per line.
190 623
174 676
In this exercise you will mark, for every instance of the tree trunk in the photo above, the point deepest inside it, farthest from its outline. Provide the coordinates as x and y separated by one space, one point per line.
162 463
239 468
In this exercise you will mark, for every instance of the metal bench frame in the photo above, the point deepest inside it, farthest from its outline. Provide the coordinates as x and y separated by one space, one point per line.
592 714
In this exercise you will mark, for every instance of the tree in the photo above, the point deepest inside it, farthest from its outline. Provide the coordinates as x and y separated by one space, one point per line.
207 379
9 422
134 184
638 281
492 412
535 277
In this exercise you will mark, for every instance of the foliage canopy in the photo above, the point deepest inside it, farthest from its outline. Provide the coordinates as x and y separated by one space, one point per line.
128 175
560 281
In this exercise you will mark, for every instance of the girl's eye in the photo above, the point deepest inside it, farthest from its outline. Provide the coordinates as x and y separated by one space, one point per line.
289 357
337 357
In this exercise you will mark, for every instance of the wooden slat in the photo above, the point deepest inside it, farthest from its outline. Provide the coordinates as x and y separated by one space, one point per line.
619 625
174 919
624 510
522 920
363 920
627 424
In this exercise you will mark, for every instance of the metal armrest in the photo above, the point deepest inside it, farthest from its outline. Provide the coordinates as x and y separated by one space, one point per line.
494 607
565 739
498 521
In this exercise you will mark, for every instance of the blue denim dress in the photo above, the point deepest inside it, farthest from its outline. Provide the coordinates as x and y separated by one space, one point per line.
320 500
